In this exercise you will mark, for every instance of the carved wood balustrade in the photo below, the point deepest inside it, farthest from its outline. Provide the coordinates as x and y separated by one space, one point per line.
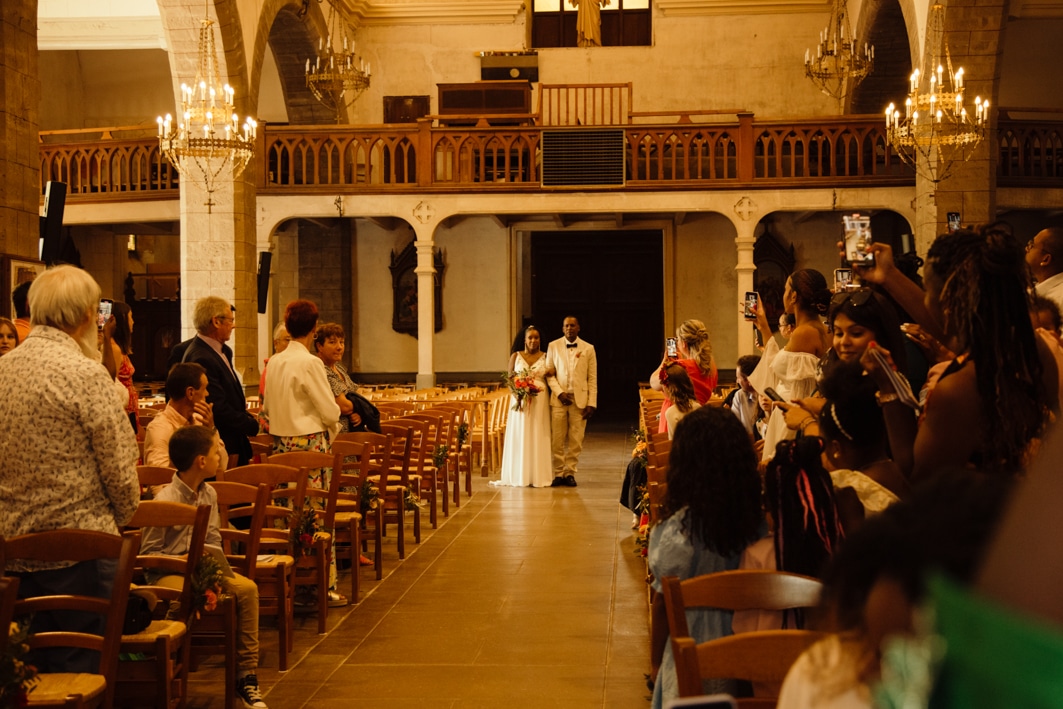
1031 152
739 151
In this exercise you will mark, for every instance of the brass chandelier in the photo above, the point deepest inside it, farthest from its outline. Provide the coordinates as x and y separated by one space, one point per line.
207 141
935 131
839 64
337 77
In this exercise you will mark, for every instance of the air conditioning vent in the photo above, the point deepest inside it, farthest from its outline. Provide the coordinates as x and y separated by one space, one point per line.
591 157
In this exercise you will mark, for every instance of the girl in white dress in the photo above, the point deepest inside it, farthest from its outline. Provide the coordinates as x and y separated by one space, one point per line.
526 456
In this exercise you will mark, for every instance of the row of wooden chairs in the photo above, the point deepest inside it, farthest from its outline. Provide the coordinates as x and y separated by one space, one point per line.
762 656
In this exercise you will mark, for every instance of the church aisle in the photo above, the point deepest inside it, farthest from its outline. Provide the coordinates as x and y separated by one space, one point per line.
522 598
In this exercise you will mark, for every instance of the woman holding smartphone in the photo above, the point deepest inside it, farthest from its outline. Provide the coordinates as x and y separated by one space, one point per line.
792 372
693 352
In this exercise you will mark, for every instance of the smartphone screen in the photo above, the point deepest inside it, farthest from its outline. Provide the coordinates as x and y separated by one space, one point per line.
671 348
104 313
772 394
954 221
752 303
858 239
843 279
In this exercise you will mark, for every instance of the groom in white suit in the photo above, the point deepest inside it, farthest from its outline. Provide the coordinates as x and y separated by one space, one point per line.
573 399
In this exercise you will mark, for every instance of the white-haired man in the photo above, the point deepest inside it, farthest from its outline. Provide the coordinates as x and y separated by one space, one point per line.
69 453
214 319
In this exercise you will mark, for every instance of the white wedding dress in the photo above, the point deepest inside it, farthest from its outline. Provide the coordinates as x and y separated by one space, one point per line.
526 457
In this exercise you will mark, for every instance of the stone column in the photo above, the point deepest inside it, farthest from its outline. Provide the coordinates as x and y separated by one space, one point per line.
746 227
424 224
218 257
20 88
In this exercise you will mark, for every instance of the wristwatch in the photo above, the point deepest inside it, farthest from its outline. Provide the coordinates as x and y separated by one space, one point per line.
883 399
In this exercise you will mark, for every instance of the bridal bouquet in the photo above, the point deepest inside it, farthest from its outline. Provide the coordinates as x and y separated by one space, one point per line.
522 385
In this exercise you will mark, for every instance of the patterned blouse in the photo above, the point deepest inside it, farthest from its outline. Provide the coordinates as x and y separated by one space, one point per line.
69 453
341 385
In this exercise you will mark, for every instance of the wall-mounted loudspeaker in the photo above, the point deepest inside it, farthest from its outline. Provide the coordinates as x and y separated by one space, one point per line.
264 260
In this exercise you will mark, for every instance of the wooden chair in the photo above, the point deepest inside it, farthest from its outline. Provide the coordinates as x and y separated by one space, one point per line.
167 640
289 484
440 424
272 574
465 413
393 484
353 463
152 477
422 471
311 569
65 689
758 656
738 590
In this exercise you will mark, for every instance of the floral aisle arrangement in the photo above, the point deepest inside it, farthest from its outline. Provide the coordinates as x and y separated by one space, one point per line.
412 502
304 530
439 456
642 535
17 678
522 385
641 451
463 433
368 498
206 584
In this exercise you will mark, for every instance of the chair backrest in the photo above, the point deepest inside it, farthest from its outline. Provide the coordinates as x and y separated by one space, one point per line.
151 475
280 478
78 545
740 590
380 446
307 461
260 452
155 513
757 656
236 501
402 440
421 444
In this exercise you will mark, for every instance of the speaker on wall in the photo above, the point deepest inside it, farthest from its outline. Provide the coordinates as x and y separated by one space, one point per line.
264 260
52 222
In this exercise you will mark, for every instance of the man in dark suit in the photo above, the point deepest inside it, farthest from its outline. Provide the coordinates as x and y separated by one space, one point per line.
214 319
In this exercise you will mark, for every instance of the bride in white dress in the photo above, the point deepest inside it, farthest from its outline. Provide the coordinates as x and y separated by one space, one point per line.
526 453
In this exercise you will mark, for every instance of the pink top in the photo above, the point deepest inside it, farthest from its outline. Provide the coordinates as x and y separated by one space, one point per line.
704 386
125 376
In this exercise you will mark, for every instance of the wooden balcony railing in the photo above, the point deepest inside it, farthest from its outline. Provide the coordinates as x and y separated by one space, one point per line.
738 151
1031 151
122 163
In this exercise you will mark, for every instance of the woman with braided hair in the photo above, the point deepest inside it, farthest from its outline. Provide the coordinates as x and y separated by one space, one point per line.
695 356
995 397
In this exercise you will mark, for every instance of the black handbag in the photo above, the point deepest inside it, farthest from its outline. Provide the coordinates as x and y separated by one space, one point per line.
369 414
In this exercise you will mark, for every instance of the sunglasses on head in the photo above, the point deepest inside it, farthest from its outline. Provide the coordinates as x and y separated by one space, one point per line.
856 297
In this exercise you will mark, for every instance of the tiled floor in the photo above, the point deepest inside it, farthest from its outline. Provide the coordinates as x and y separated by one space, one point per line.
522 598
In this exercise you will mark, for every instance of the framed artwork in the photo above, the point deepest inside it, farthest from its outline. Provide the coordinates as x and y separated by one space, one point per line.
16 269
404 286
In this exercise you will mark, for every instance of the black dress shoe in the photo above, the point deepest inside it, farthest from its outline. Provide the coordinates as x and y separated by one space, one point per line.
570 481
558 482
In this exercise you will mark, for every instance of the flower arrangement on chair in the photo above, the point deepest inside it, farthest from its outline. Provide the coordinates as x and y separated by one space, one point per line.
522 385
304 530
16 677
439 456
368 498
641 451
206 584
642 509
463 433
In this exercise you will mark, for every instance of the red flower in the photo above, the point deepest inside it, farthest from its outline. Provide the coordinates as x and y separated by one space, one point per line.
306 539
212 600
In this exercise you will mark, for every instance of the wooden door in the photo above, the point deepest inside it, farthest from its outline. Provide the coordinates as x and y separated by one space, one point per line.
613 282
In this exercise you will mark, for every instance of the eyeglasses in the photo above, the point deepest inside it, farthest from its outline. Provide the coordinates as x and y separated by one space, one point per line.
856 297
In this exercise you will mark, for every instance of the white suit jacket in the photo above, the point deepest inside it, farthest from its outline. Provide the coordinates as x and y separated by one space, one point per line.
581 381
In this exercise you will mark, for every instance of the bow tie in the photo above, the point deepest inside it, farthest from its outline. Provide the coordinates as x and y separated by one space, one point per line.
572 344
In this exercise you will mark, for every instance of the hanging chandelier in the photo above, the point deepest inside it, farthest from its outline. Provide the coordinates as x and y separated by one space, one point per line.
935 130
207 142
839 64
337 77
